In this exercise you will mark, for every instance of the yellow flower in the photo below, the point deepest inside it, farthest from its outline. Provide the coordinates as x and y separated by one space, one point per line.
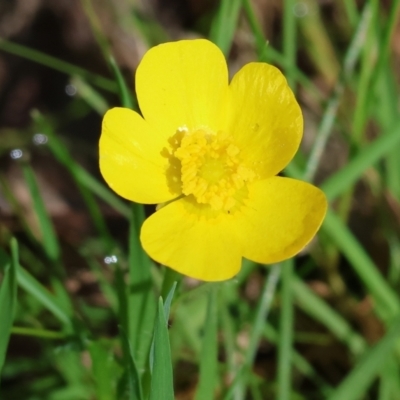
208 153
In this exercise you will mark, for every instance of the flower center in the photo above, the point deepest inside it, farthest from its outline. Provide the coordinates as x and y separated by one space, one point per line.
211 169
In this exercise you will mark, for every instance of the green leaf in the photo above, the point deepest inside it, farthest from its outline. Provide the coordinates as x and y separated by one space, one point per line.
49 237
37 290
103 368
58 65
141 302
386 300
125 93
224 24
8 300
209 354
132 377
318 309
162 377
370 154
354 386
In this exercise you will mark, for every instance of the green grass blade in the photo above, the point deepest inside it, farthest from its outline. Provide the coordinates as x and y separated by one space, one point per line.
8 297
91 96
103 368
332 107
37 290
267 53
389 386
59 65
49 237
318 309
263 308
361 377
366 158
209 354
162 376
134 385
124 93
88 184
142 304
224 24
167 307
386 300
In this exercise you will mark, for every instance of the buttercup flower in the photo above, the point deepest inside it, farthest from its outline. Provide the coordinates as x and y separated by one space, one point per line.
208 152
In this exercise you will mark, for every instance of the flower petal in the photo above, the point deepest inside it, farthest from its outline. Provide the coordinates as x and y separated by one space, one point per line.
191 244
281 217
266 120
131 159
182 83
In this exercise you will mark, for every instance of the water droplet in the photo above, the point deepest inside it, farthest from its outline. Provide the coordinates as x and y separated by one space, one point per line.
70 90
16 153
110 259
40 138
300 9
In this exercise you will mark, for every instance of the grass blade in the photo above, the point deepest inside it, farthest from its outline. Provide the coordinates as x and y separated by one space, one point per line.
370 154
162 377
386 300
49 237
317 308
209 355
361 377
224 24
285 341
37 290
132 374
8 300
103 370
57 64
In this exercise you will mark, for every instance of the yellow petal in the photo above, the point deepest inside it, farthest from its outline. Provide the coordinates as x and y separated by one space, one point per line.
281 217
191 244
182 83
131 158
265 119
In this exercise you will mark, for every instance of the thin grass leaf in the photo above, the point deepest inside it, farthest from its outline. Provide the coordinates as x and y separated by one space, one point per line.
209 355
355 385
133 382
167 307
263 308
366 158
162 376
300 362
386 300
103 368
49 237
8 297
389 388
318 309
142 305
125 94
57 64
88 185
92 97
267 53
328 119
37 290
224 24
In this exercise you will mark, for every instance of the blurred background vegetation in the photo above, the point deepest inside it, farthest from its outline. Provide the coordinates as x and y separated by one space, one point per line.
75 306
